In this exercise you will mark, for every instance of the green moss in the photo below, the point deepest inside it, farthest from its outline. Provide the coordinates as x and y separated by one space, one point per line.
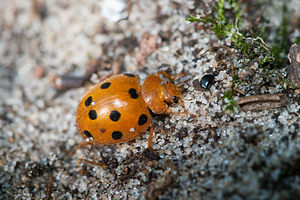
226 24
219 23
192 19
230 102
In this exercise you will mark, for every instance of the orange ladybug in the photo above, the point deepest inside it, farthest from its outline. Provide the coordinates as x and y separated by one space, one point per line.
116 110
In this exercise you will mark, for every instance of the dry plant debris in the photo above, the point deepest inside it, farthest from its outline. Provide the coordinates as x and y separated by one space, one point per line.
294 68
262 102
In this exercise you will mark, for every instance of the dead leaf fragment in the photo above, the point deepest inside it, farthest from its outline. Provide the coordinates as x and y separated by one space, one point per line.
66 82
262 102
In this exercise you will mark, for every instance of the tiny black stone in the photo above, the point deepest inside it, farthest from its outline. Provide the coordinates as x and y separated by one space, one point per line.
93 114
129 74
115 115
88 134
116 135
105 85
133 93
88 101
142 119
207 81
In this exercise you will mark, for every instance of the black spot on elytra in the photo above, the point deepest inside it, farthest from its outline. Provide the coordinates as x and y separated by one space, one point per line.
105 85
102 130
133 93
116 135
129 74
115 115
142 119
88 134
92 115
88 101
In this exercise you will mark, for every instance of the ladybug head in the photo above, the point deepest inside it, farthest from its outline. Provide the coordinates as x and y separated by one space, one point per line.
173 93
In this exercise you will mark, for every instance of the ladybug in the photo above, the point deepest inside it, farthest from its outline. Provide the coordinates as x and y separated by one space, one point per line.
117 109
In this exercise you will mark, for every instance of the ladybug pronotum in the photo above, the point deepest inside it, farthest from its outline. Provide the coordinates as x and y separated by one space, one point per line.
117 109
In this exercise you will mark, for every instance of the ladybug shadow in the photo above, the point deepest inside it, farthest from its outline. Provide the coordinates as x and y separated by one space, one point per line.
104 156
101 155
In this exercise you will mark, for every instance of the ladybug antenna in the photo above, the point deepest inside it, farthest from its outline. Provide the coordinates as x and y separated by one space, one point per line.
181 103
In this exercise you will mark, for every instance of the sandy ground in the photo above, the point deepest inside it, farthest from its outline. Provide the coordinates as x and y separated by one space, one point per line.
218 155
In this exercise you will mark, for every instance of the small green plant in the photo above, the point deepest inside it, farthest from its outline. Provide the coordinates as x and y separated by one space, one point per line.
219 23
230 102
192 19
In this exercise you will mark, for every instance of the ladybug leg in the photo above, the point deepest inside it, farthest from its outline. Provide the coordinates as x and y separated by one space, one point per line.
165 74
82 144
181 103
169 111
150 142
104 166
185 112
